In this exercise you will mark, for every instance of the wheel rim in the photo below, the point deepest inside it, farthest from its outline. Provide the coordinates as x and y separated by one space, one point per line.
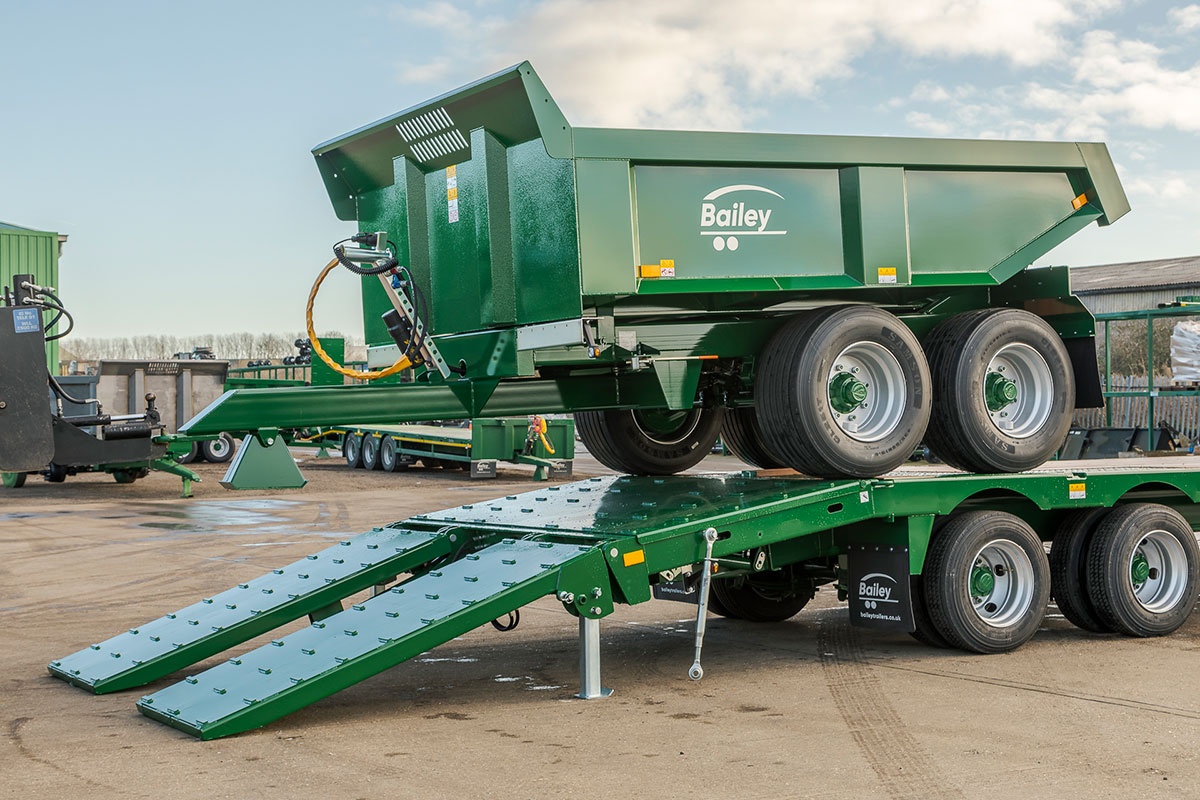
666 427
353 448
866 391
1000 586
1018 390
370 447
387 454
1158 571
218 447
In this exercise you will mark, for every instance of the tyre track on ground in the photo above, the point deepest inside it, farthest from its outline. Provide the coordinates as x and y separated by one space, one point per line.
902 765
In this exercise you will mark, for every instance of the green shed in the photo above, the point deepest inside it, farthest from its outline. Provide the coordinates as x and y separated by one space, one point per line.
26 251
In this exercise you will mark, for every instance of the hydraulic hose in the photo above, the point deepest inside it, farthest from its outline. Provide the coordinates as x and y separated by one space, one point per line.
402 363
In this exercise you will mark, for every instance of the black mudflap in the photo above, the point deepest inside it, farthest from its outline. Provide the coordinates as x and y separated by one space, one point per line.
879 591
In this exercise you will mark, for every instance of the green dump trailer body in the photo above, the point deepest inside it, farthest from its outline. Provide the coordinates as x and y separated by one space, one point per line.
566 270
510 217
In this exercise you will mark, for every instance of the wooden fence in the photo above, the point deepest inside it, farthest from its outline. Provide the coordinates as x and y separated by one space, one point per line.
1177 406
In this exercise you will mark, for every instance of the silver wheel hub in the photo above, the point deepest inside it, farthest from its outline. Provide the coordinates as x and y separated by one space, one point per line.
867 393
1018 390
1158 572
1000 585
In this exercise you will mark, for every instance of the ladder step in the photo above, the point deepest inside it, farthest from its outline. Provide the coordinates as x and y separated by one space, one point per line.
236 615
290 673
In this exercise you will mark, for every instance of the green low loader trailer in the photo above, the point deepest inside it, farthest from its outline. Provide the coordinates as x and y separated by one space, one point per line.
824 303
957 560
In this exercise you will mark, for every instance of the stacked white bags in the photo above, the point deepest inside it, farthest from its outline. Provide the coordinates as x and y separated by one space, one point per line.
1185 352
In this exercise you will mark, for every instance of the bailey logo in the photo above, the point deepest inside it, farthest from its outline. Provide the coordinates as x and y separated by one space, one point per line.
872 589
728 220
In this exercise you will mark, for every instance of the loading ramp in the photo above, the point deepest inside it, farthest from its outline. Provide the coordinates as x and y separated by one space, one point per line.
591 544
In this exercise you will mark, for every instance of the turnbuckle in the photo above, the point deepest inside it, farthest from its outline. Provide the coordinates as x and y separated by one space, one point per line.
710 536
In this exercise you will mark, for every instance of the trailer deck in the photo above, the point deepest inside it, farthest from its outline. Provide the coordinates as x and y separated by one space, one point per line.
591 543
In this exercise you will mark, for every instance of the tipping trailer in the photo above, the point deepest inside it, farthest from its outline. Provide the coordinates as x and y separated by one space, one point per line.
958 560
824 303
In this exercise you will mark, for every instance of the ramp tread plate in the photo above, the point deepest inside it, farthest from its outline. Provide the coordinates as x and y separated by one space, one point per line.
629 506
175 640
256 688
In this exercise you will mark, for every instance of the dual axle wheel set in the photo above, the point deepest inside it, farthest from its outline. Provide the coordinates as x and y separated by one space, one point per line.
850 391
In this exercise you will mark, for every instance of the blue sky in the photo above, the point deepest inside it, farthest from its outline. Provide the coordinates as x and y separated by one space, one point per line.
171 141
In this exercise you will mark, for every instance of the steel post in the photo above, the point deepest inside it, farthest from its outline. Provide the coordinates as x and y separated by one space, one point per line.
589 661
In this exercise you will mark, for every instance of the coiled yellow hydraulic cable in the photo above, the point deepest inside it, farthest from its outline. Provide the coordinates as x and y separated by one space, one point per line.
401 364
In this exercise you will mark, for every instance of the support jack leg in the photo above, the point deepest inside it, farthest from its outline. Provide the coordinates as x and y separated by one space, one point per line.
589 661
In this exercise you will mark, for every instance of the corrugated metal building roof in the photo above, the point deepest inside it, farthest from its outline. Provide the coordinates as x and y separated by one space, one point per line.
1135 285
1137 275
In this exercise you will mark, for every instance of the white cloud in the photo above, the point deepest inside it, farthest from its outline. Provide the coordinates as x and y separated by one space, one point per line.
1186 18
705 65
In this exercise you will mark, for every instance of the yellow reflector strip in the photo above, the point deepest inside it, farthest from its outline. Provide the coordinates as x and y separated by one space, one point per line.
452 171
635 557
452 194
1078 202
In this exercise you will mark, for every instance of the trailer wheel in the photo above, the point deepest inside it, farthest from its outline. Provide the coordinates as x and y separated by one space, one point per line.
55 473
191 455
129 475
763 596
1003 390
388 452
370 452
741 433
843 391
1142 569
219 450
986 581
352 449
650 442
13 480
1068 569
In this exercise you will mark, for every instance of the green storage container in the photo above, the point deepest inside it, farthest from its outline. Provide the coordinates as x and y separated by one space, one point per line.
25 251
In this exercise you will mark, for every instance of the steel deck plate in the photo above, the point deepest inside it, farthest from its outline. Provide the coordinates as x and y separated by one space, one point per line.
176 640
628 506
292 672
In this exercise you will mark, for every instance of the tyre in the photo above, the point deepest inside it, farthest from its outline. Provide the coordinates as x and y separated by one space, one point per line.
370 452
191 455
129 475
352 449
843 391
986 581
12 480
1003 390
762 596
925 632
219 450
743 436
55 473
1068 569
1142 569
388 454
649 442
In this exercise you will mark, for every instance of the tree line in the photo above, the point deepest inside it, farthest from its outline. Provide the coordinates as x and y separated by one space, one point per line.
152 347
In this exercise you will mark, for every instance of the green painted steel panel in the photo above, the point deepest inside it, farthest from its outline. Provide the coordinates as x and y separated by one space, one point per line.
290 673
972 221
24 251
545 241
607 241
721 222
236 615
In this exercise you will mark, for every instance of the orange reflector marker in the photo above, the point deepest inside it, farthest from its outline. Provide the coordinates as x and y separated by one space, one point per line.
635 557
663 269
1078 202
707 358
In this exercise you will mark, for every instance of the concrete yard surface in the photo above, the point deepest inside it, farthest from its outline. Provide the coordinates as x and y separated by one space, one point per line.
808 708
